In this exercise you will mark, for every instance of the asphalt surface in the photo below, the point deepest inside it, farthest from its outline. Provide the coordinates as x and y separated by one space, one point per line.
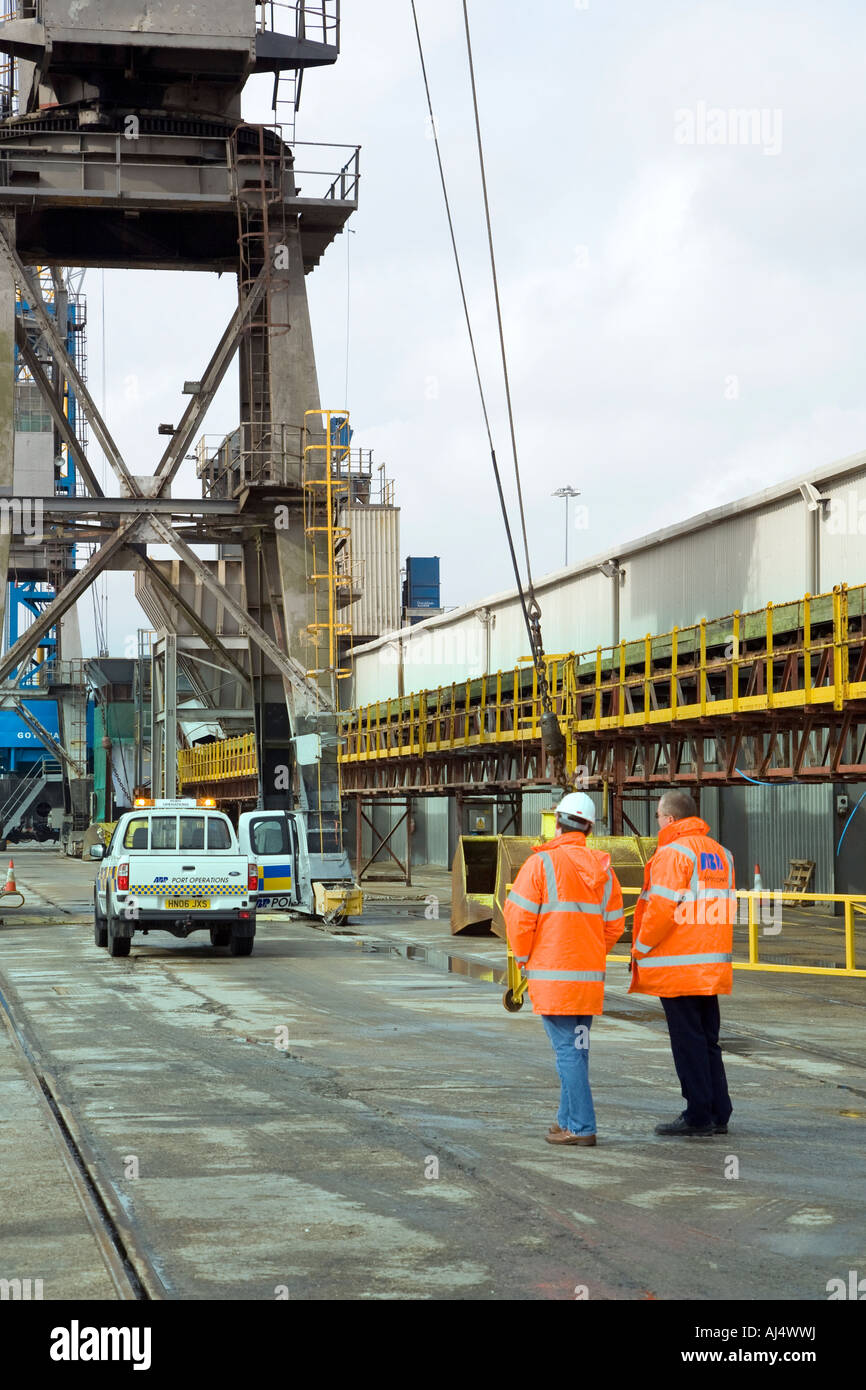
328 1119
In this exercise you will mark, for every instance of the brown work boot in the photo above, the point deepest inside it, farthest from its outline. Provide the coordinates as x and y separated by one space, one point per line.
564 1136
554 1129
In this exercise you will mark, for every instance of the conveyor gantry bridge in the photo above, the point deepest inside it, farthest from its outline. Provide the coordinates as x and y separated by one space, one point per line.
774 695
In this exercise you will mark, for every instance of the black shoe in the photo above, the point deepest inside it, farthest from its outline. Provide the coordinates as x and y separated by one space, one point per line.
680 1127
720 1129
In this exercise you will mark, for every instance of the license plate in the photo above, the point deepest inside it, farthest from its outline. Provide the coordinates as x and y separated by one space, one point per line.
186 904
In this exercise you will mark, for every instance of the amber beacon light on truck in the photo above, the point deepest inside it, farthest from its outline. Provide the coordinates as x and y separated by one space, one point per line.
184 803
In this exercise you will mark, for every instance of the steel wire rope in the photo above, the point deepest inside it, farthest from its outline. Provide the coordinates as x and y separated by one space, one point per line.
534 636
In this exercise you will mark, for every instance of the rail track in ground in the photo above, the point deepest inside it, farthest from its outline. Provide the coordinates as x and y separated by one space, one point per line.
128 1264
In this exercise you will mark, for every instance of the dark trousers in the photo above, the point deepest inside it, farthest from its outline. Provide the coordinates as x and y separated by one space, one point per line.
693 1024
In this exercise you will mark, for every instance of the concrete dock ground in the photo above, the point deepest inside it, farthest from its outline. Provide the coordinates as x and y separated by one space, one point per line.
343 1116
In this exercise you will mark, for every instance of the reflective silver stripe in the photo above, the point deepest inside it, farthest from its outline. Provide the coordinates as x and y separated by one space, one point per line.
674 895
710 958
550 877
591 909
690 854
639 946
682 849
522 902
613 915
588 976
608 889
521 960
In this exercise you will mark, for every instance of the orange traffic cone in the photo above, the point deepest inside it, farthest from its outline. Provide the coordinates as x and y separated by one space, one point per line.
759 887
11 886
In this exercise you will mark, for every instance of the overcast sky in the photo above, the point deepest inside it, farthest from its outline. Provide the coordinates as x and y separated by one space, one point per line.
683 291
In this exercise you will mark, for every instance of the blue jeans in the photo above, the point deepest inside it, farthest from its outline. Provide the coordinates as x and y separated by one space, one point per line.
569 1035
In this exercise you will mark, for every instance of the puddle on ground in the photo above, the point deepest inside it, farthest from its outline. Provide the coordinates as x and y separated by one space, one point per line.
439 958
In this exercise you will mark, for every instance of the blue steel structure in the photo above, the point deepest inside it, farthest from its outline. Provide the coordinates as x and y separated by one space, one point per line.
19 747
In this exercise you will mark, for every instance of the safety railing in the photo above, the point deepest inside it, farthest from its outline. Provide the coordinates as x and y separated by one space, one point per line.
809 654
21 9
260 455
113 166
853 904
23 793
225 761
505 708
303 19
72 671
786 656
328 187
751 914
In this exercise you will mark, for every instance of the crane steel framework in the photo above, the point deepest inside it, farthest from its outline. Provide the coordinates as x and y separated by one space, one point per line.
129 150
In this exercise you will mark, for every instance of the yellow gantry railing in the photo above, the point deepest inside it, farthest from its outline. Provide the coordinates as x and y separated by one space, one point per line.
799 655
751 912
225 761
782 657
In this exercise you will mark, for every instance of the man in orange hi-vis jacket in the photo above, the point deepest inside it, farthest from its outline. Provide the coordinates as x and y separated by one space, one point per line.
682 952
563 915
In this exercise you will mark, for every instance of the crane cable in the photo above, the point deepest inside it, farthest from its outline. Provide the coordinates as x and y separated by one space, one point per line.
552 737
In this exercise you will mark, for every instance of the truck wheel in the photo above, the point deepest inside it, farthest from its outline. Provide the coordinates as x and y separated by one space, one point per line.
117 945
220 936
242 945
100 925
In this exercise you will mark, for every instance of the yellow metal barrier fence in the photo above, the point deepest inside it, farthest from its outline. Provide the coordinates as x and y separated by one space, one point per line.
852 903
224 761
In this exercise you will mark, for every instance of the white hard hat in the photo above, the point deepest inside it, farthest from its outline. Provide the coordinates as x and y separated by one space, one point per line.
577 806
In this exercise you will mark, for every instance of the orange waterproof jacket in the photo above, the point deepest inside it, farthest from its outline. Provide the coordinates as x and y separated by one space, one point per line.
683 922
563 915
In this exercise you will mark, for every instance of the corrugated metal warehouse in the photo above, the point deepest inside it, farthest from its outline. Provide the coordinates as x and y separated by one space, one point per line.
804 536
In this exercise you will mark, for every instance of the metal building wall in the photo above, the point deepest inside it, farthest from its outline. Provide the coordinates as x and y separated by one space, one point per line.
741 563
772 825
430 841
739 557
533 805
376 552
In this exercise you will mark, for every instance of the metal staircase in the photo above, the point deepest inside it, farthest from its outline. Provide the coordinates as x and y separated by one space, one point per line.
25 793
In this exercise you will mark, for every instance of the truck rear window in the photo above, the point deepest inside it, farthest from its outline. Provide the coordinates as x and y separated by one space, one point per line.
218 836
163 832
136 836
192 832
173 834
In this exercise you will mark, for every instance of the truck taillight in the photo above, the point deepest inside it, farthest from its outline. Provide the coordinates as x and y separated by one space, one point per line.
253 879
123 878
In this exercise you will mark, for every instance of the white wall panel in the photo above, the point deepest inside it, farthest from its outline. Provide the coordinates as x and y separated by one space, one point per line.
741 557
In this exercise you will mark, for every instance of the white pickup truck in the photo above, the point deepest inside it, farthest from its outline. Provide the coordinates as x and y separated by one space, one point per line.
174 866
